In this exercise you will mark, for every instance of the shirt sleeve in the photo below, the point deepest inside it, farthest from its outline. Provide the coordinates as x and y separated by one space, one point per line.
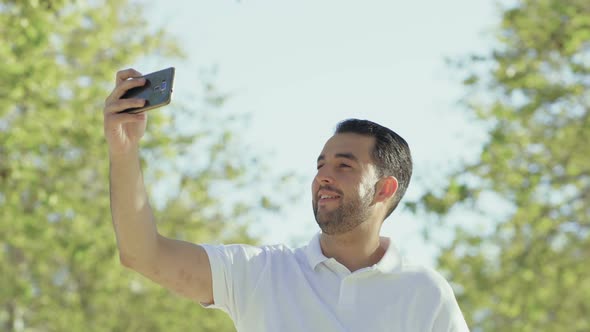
235 271
449 317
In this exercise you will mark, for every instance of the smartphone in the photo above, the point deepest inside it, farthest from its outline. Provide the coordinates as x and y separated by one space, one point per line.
157 90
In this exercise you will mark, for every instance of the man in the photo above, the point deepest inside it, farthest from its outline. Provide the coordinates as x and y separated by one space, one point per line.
347 278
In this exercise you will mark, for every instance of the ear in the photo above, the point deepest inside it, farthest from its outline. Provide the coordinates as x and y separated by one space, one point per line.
386 188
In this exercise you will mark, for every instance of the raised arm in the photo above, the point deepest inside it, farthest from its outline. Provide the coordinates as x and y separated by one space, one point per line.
177 265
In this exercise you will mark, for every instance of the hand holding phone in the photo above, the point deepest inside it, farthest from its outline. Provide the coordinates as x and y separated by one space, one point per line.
157 91
133 94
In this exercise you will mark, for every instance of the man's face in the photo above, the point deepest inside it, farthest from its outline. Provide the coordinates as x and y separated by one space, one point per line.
344 186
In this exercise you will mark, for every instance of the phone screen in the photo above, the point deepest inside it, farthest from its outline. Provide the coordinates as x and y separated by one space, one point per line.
157 90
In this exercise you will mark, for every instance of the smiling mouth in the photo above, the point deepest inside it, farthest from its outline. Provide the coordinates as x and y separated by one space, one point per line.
328 198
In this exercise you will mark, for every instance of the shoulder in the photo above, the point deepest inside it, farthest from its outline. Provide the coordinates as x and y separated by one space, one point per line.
424 273
439 298
426 279
246 252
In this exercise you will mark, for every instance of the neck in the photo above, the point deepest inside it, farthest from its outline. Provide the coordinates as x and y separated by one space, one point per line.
357 249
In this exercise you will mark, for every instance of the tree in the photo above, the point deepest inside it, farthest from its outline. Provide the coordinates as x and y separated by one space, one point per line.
59 266
527 268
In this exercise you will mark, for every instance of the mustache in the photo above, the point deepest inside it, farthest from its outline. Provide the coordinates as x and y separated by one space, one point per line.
330 188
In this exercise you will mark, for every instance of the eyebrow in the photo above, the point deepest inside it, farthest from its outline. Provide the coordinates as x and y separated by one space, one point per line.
347 155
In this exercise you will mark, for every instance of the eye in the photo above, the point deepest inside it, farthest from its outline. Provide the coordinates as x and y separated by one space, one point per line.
320 166
344 166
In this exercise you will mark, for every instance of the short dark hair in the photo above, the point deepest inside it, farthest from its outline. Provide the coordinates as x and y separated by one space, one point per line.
391 153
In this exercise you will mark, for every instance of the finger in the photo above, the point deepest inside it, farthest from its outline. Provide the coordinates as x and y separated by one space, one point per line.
124 86
123 75
119 105
113 120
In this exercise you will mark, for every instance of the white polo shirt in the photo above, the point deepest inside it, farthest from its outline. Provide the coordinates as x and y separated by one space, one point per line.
275 288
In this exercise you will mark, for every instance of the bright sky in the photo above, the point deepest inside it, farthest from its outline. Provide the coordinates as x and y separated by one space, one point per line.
299 67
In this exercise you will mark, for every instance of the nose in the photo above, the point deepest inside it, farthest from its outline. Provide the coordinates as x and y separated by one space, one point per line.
323 176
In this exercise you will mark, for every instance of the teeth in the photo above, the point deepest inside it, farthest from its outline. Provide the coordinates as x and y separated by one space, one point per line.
324 197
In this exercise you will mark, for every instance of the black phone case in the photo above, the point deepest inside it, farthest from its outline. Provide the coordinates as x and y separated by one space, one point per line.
157 90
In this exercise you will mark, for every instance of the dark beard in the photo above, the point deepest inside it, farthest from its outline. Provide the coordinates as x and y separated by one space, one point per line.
345 217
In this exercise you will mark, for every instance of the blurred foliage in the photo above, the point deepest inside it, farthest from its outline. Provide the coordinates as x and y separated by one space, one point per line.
529 270
59 266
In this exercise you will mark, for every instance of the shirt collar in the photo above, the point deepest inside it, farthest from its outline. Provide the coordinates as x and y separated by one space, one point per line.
389 263
391 260
314 252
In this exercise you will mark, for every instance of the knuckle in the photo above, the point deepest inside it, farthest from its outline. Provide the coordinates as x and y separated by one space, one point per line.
125 73
129 103
108 99
128 84
108 121
116 106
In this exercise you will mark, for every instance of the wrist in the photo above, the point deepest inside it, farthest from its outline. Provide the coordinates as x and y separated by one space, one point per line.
131 154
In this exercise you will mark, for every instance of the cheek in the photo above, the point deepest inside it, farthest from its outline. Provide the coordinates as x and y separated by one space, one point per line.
366 187
364 190
314 187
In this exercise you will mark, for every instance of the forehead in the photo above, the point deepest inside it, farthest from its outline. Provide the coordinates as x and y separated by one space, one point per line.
360 146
